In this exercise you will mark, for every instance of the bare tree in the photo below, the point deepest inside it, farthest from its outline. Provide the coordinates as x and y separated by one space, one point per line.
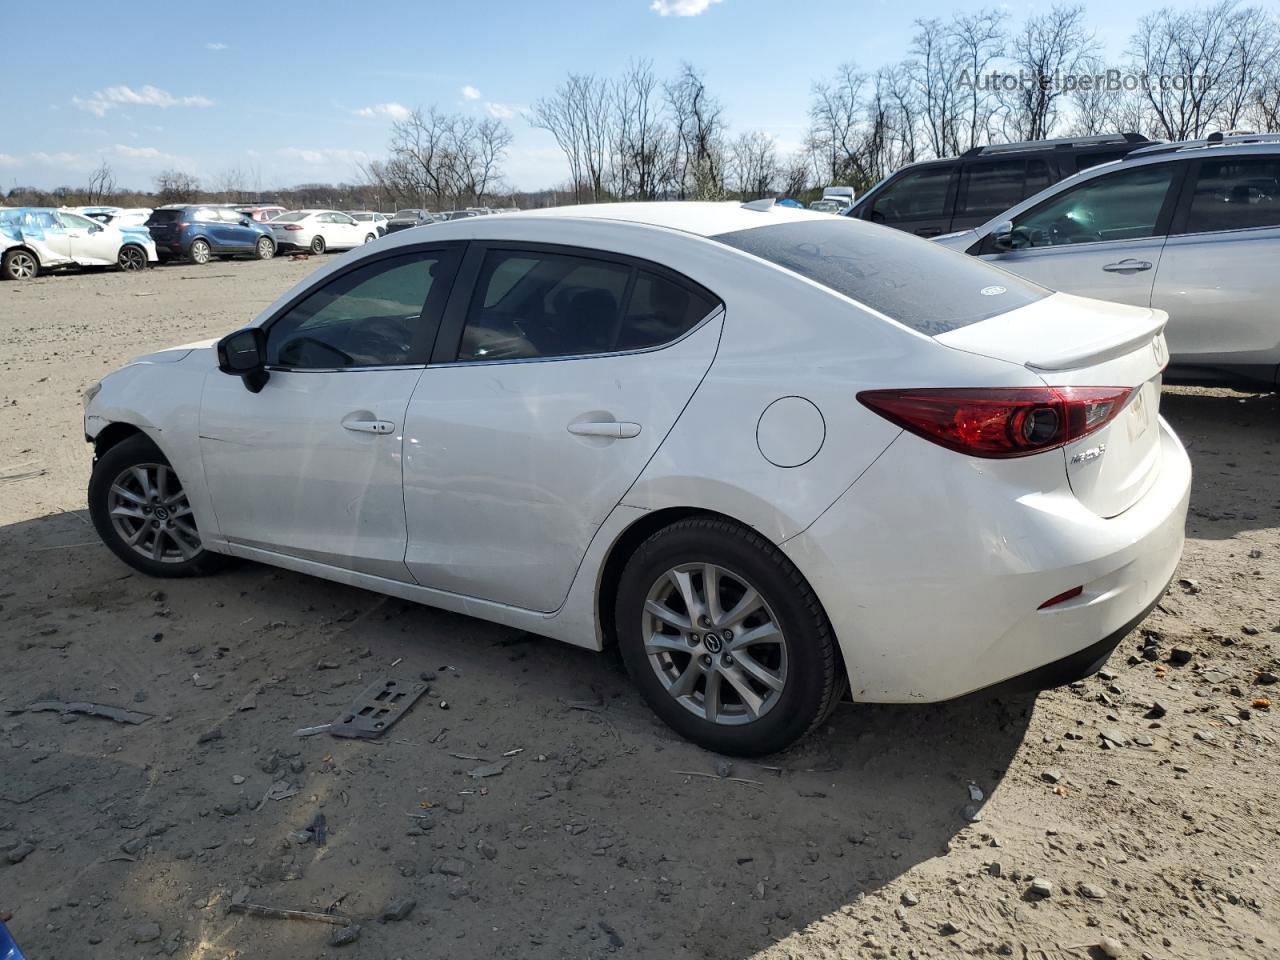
1049 47
753 160
439 160
979 41
1253 45
229 185
835 125
643 145
102 183
794 176
1097 108
699 127
935 67
1186 58
176 186
578 116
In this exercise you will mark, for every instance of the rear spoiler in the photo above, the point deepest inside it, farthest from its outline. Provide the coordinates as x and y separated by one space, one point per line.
1101 350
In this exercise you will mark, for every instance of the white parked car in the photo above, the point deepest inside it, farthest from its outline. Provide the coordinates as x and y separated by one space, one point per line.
377 220
116 216
772 454
320 230
37 239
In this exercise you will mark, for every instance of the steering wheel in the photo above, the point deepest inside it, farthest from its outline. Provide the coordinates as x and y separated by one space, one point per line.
318 344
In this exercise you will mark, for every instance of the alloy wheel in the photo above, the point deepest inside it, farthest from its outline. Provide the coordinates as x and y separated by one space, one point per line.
200 252
150 513
266 249
132 258
714 643
22 265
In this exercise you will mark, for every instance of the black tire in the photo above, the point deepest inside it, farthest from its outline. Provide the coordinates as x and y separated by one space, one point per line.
264 249
131 258
317 245
369 238
201 252
814 680
139 451
20 264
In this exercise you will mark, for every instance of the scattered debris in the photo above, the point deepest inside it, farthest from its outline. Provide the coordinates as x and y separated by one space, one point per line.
377 708
278 913
118 714
713 776
488 770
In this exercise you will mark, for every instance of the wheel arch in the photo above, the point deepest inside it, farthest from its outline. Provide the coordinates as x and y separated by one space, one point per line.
625 546
27 248
113 434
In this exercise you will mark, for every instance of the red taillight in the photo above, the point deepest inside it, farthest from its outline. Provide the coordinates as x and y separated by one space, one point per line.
182 223
1061 598
999 422
292 226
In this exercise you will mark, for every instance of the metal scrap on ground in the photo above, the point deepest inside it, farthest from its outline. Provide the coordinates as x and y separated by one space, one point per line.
118 714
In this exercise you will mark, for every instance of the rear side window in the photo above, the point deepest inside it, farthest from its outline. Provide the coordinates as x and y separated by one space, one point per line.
1235 193
990 186
918 195
918 283
531 304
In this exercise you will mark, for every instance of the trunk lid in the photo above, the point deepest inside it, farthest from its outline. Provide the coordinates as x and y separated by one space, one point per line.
1073 341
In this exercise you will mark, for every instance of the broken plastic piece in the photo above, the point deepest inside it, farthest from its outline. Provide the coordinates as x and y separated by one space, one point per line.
118 714
379 706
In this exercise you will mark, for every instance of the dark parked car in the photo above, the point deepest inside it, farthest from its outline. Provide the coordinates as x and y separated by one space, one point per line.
199 233
404 219
938 196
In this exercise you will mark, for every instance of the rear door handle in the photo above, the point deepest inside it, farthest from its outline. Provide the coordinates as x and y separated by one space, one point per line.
1128 266
618 430
369 426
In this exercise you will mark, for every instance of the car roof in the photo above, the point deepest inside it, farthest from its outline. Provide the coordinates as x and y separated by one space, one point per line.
701 218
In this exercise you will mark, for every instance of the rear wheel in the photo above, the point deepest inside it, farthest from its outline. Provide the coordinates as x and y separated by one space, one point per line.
20 265
726 639
264 249
142 513
317 244
201 251
131 258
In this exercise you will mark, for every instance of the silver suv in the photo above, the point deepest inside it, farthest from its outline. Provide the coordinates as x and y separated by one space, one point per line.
1191 228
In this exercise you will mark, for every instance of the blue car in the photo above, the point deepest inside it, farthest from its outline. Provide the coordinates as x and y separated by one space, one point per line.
200 233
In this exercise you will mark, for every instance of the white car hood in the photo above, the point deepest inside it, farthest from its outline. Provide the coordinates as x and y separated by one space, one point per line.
174 354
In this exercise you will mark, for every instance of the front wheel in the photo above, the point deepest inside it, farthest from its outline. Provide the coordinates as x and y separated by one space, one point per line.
201 252
19 265
726 639
369 238
317 245
141 511
264 249
131 258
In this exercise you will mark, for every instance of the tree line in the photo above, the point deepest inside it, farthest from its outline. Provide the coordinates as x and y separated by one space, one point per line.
966 81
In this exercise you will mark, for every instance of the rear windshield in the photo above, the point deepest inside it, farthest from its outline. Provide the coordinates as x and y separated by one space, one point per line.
293 217
165 216
406 215
916 282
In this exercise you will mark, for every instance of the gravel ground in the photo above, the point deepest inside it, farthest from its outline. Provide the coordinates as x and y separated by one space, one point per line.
1142 801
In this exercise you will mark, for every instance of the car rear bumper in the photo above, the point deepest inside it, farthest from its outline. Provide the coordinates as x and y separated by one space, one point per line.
933 573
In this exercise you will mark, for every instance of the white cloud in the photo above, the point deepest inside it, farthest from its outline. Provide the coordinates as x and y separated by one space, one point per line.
8 160
215 46
64 159
500 110
681 8
396 111
323 156
471 93
100 101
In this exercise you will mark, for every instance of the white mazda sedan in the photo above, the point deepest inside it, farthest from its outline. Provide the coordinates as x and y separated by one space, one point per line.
772 454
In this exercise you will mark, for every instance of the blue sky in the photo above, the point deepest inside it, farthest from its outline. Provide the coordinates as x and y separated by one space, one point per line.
303 92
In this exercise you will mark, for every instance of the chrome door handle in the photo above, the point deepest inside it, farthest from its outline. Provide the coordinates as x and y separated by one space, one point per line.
1125 266
370 426
617 430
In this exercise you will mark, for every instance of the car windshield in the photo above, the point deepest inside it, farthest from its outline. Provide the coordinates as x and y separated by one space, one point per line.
916 282
292 217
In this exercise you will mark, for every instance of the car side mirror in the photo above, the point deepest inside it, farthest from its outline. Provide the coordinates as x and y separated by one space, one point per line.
244 354
1002 236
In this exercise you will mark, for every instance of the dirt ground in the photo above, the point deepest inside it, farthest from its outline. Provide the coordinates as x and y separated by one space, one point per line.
1146 797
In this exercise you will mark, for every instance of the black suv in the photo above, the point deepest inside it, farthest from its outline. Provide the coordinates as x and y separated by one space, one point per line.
938 196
